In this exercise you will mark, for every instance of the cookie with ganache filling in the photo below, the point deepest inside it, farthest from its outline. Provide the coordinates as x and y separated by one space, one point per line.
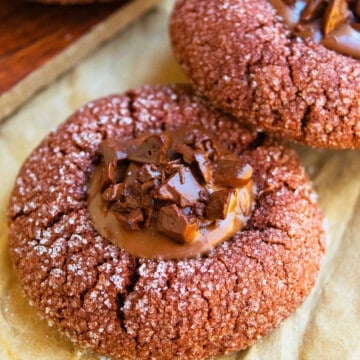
289 67
152 225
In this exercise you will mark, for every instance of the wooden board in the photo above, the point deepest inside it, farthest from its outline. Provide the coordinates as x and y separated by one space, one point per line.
39 42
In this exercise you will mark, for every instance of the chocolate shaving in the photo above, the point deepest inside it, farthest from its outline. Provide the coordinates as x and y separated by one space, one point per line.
186 152
131 219
112 150
311 10
203 165
337 12
148 172
113 192
181 188
168 178
333 23
218 204
152 150
112 172
174 223
232 173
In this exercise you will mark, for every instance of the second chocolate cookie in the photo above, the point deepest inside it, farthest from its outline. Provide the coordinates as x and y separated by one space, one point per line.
251 63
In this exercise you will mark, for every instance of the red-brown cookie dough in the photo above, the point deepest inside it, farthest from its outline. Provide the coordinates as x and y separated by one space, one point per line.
137 308
243 57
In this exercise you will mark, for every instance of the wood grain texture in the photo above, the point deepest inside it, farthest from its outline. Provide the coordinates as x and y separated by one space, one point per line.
33 35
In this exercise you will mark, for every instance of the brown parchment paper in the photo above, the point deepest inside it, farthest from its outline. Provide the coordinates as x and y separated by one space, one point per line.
326 326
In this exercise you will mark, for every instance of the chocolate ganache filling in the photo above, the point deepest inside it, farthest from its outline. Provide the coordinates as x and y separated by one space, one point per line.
173 194
333 23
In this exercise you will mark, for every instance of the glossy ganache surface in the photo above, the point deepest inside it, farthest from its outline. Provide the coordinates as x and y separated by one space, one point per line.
173 194
333 23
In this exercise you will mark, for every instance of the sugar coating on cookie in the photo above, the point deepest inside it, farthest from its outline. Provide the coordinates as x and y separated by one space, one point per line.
244 58
121 306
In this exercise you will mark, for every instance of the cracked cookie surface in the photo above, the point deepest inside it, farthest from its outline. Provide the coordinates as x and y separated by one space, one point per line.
137 308
241 56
